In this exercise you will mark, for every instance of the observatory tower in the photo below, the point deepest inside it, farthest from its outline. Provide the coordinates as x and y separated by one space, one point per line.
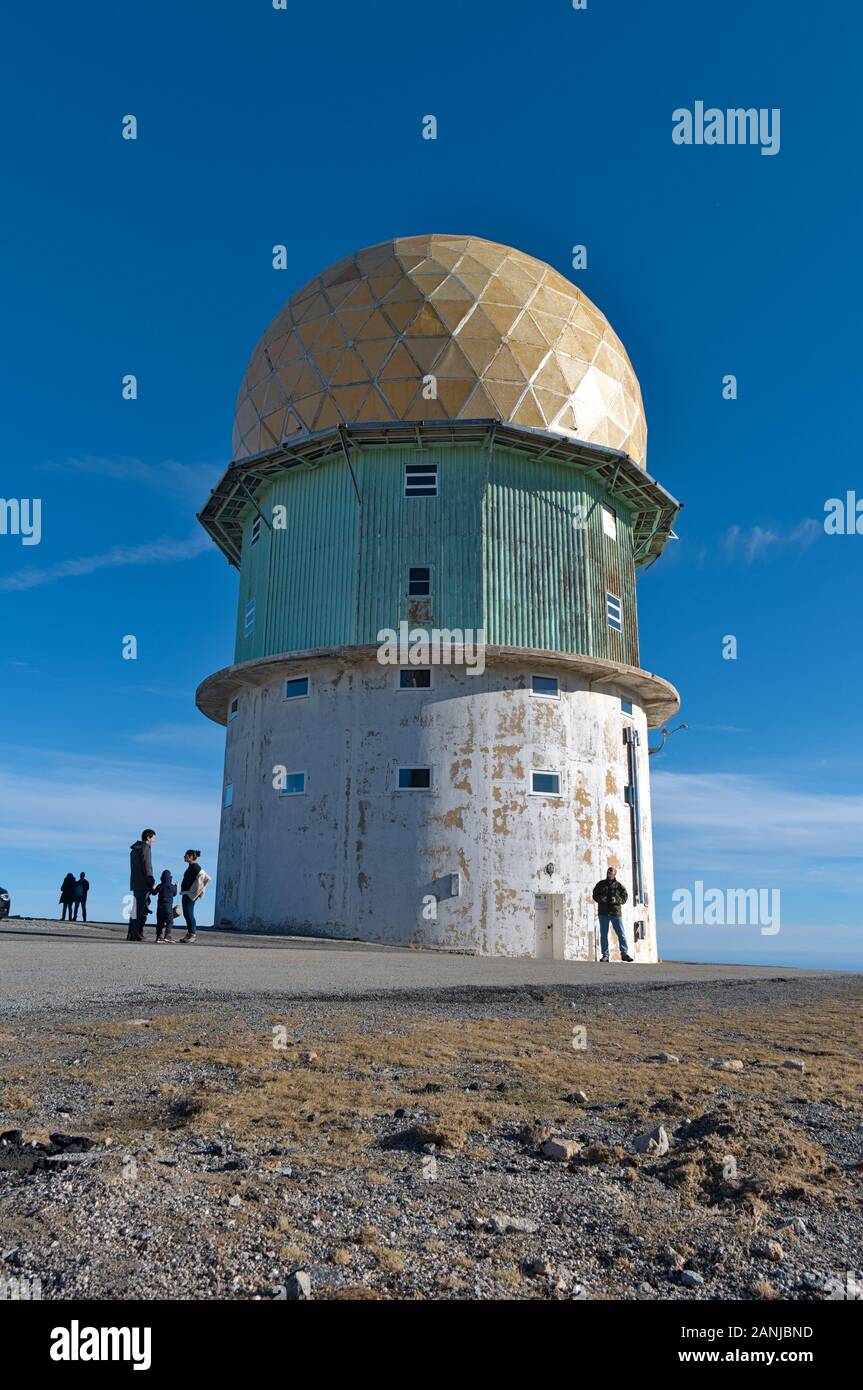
438 435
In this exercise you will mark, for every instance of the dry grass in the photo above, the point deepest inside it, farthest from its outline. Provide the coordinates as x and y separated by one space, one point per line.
15 1099
393 1261
764 1290
327 1107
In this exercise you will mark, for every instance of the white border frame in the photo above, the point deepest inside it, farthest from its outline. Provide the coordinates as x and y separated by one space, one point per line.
433 466
543 694
615 627
403 767
546 772
414 689
296 772
289 699
430 569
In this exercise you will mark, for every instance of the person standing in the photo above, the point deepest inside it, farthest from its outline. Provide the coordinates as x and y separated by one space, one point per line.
141 882
67 896
192 887
82 888
610 895
165 895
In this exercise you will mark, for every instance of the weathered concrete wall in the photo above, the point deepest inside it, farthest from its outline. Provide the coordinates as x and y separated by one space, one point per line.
355 857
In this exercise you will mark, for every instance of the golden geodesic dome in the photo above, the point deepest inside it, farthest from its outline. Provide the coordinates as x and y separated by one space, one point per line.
504 336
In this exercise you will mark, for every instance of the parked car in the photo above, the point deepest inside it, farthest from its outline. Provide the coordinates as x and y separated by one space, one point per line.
4 904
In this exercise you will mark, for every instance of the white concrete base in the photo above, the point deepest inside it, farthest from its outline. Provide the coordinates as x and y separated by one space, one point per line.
460 866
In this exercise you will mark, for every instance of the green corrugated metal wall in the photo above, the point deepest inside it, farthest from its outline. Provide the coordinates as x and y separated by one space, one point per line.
549 563
509 539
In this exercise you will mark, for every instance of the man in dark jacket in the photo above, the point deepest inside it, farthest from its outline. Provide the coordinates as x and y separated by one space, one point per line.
141 882
82 888
609 896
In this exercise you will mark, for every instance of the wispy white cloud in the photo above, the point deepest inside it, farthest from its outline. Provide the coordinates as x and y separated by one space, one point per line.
722 820
745 545
68 813
101 803
745 830
165 551
167 476
200 734
167 693
761 542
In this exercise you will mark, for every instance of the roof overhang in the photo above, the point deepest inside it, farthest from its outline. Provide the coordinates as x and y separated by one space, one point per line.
658 697
654 510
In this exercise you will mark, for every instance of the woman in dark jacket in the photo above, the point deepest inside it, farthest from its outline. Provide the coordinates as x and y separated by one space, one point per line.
191 889
67 896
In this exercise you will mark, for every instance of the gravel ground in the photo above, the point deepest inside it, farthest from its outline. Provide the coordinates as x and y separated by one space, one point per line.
221 1144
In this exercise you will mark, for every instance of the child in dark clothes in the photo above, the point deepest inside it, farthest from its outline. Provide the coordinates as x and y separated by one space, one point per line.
165 895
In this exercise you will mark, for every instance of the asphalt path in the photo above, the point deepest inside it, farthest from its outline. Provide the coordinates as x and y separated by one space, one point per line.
53 965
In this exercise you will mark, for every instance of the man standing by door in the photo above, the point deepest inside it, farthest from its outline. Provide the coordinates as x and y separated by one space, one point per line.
141 882
609 896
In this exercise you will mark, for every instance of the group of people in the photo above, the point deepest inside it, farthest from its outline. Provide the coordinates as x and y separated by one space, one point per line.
143 886
73 897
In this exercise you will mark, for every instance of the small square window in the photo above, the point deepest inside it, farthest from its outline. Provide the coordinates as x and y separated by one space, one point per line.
415 678
414 779
234 708
295 784
256 531
419 581
228 798
614 612
420 480
609 521
546 685
249 623
296 688
626 706
545 783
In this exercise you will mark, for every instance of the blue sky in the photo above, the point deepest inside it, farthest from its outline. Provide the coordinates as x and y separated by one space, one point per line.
258 126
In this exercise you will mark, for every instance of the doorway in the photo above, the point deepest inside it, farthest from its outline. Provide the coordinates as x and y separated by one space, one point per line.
548 923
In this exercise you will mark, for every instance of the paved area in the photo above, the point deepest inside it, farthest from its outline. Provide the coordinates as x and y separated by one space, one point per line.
54 965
